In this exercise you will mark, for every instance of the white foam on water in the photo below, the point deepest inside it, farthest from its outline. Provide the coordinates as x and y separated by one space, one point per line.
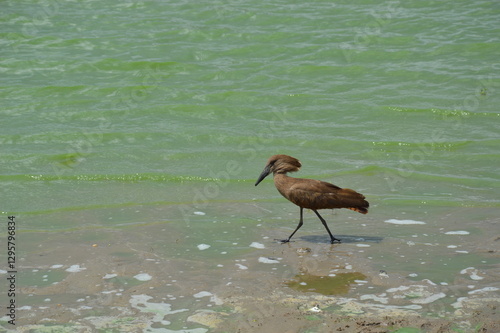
109 276
401 288
474 276
483 290
429 299
143 277
240 266
85 307
383 300
108 292
383 274
202 294
459 303
363 245
429 282
265 260
56 266
202 247
458 232
213 298
315 309
75 269
473 273
452 246
390 307
160 310
396 221
257 245
200 213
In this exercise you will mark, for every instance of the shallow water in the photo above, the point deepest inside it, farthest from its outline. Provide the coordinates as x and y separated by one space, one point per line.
134 132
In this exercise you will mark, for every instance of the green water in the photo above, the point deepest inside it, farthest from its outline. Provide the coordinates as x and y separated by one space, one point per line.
117 115
325 285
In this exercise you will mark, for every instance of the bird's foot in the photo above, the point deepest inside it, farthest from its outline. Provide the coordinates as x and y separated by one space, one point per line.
283 241
335 240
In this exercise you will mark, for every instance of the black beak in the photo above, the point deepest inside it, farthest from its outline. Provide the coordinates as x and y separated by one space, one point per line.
264 174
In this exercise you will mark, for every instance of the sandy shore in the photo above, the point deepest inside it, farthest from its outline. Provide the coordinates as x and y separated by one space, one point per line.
129 280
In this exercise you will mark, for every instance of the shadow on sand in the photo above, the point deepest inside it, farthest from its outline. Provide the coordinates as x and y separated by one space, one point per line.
343 238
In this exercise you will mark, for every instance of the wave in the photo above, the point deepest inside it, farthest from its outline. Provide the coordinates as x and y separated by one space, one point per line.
419 145
136 177
437 202
445 112
402 174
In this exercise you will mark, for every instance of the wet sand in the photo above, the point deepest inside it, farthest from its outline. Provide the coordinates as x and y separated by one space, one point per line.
152 278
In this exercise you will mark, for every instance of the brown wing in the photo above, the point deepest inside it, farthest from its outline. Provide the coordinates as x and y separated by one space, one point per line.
315 194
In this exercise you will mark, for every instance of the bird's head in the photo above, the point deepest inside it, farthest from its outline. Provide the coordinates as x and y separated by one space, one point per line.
279 164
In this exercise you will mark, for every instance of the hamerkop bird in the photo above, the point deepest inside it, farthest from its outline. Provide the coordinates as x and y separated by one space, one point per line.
310 193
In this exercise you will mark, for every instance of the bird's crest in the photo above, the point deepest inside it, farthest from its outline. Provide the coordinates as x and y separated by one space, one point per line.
283 164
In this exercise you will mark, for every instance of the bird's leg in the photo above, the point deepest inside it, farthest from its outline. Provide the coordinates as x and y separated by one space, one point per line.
283 241
332 239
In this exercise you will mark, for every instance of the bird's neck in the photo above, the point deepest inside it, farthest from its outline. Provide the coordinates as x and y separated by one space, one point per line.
281 180
280 175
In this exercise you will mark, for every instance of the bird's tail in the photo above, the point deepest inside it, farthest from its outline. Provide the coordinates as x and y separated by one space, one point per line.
354 201
359 210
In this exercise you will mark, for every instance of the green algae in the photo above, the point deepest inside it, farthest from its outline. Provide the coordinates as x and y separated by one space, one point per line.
326 285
